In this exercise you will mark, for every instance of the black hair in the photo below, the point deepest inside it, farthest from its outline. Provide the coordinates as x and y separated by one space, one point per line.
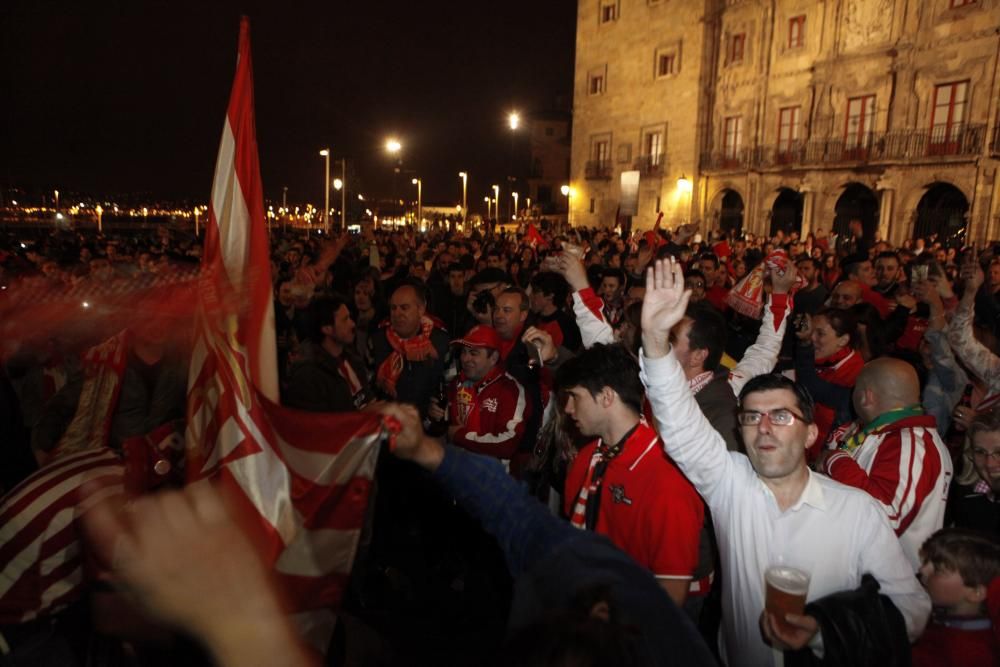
772 381
551 284
887 254
710 256
817 265
614 273
321 314
604 366
707 332
843 322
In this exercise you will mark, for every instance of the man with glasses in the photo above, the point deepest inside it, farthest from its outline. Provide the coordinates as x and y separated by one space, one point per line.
894 453
767 506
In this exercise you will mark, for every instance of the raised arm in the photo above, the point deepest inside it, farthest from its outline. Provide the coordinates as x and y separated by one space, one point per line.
761 357
688 438
587 306
977 357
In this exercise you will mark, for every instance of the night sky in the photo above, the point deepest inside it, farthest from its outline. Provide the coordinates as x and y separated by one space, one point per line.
128 96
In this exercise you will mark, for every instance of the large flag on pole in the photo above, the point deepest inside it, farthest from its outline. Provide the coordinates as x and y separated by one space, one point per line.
305 478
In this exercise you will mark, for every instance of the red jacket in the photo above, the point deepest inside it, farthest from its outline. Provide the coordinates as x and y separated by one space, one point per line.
840 368
907 469
491 413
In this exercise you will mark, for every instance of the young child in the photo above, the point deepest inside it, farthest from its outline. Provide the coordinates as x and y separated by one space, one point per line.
960 572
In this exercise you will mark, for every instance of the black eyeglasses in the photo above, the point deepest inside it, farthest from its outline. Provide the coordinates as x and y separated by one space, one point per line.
777 417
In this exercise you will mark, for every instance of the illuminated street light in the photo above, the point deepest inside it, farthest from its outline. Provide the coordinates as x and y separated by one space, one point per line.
465 184
337 184
514 120
568 192
392 145
487 200
57 199
98 210
514 195
684 184
420 198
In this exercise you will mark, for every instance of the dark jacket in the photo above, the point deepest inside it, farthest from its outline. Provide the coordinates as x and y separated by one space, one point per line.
420 379
718 403
316 385
860 628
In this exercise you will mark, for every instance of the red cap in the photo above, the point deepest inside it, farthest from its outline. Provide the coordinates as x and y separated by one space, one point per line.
480 336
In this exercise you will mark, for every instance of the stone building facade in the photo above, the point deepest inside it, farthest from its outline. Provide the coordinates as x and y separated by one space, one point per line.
793 114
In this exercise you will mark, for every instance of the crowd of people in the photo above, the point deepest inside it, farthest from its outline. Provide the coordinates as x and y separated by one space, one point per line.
606 440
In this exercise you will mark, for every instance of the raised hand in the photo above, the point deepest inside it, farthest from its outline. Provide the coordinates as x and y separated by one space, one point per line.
570 267
663 306
543 341
411 443
782 282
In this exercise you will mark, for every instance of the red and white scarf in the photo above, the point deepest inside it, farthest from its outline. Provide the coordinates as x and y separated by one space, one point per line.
417 348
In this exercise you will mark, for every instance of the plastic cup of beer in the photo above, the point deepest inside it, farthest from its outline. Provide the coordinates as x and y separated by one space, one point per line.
786 590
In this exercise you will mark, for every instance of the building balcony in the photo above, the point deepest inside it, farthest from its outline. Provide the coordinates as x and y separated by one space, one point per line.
598 170
900 145
651 165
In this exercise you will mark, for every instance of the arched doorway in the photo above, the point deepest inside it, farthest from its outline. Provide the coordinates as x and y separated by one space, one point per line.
731 213
786 212
942 211
857 202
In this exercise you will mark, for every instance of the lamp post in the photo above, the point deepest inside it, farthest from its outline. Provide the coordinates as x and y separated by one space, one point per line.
487 200
496 202
326 192
420 199
395 148
513 122
568 193
57 200
98 210
514 195
340 184
465 185
684 186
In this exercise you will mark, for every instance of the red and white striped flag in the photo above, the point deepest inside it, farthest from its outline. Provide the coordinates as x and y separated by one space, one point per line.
41 563
306 478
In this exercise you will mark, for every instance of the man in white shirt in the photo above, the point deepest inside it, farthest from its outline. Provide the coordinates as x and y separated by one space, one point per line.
767 506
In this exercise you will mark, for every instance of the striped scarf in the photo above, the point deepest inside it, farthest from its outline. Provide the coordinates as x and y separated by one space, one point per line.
588 500
417 348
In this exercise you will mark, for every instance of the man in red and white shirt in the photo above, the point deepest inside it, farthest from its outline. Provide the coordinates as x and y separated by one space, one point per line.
621 485
487 408
897 455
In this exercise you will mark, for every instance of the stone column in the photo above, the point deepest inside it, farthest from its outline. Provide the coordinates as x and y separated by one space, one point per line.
886 210
808 196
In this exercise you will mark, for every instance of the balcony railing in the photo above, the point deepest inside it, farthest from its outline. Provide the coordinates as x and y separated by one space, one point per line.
650 165
957 141
598 169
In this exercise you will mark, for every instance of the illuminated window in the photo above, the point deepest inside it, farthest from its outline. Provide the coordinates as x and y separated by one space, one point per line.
736 48
601 151
654 148
796 31
609 12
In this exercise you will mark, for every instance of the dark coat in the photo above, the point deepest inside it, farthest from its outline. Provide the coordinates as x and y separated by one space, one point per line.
316 385
861 628
718 403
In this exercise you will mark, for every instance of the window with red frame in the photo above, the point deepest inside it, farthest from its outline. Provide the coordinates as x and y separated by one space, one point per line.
860 121
788 131
948 117
796 31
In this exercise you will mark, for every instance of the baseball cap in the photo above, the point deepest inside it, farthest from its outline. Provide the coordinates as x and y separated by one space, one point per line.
480 335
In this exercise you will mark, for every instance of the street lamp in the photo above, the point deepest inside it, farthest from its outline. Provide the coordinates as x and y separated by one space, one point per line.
420 199
514 120
325 153
465 184
684 186
57 200
514 195
392 145
487 200
568 193
496 202
98 210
